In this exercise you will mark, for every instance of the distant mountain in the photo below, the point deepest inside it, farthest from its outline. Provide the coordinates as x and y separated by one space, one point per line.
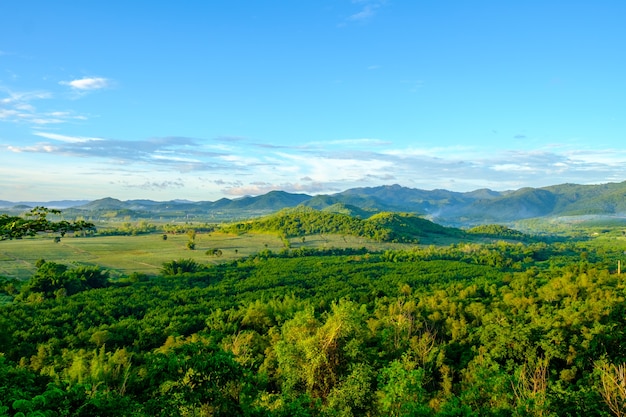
398 198
272 201
487 206
557 200
61 204
442 206
107 203
520 204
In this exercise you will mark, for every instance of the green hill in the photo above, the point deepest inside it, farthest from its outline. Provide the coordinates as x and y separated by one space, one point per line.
404 227
349 210
303 221
445 207
498 231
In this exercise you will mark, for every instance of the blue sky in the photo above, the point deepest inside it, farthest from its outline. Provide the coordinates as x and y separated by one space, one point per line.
201 100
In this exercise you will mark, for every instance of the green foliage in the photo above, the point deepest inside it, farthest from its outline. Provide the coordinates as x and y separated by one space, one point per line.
302 221
53 279
501 329
36 221
402 389
214 252
180 266
499 231
194 379
129 229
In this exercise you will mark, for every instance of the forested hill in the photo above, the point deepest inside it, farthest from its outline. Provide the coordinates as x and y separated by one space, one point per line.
487 206
443 206
303 221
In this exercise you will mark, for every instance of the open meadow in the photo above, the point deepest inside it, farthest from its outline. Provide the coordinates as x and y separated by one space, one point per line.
123 255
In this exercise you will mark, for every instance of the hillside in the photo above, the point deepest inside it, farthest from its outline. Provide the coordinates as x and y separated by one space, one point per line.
442 206
304 221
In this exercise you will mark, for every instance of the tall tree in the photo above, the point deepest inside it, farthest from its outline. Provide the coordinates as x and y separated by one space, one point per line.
36 221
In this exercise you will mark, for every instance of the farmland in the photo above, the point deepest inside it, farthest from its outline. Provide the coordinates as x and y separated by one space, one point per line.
281 317
123 255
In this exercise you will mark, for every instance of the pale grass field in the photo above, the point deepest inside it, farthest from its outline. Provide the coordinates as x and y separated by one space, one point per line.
123 255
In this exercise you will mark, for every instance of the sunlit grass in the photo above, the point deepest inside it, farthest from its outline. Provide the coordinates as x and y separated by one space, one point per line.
123 255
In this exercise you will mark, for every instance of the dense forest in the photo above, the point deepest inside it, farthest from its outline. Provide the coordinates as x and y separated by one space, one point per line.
507 328
384 226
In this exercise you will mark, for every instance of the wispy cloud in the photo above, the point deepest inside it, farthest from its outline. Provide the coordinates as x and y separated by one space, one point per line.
366 11
352 142
456 168
258 188
318 167
19 107
154 185
17 98
181 153
88 83
64 138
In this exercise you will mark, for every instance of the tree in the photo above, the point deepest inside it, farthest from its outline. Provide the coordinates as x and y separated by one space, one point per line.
402 389
195 379
318 356
52 278
35 221
214 252
89 276
180 266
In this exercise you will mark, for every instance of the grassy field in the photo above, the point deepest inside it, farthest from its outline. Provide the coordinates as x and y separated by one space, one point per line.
122 255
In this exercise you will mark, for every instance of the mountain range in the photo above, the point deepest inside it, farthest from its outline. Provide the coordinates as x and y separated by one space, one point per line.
442 206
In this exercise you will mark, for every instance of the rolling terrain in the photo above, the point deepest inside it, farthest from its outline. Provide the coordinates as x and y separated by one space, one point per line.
442 206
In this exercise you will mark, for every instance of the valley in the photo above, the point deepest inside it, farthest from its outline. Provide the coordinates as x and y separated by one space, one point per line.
310 312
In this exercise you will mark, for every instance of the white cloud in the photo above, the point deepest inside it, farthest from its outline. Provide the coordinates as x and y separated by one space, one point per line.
259 188
9 114
353 142
235 168
444 152
18 108
20 98
88 83
611 157
512 167
155 185
39 148
45 121
160 156
64 138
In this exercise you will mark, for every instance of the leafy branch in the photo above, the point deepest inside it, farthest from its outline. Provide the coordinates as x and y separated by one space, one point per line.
36 221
